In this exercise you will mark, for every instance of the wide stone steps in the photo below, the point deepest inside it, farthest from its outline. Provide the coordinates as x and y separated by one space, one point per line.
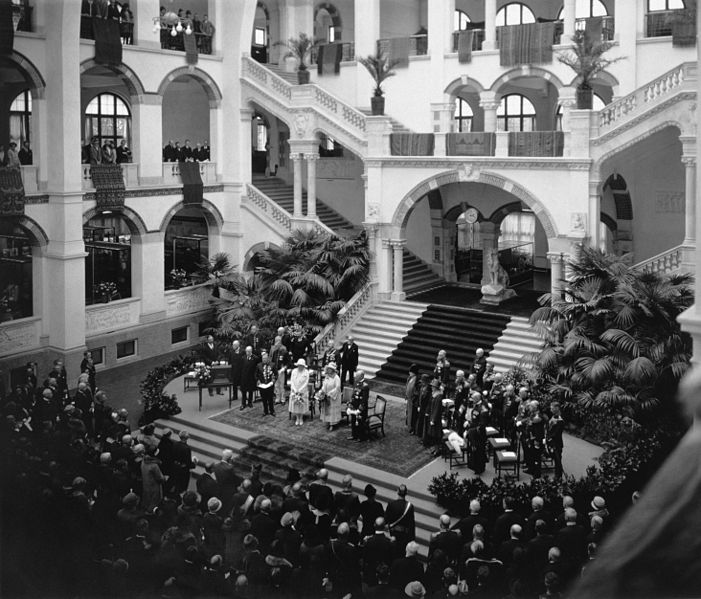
456 330
418 276
518 341
208 439
397 127
289 76
379 331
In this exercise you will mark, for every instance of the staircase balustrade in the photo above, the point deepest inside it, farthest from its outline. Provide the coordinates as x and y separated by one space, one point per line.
347 316
269 207
611 116
665 262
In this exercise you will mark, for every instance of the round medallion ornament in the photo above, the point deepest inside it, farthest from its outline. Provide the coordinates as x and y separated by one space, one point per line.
471 215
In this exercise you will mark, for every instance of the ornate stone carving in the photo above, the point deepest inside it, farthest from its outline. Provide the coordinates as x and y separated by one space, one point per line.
301 121
373 211
578 222
107 317
21 335
188 299
469 172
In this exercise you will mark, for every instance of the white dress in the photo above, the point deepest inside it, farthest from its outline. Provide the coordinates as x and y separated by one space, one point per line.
299 387
330 411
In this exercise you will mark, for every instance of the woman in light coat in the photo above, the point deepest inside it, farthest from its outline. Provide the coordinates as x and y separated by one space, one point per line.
299 391
152 481
330 410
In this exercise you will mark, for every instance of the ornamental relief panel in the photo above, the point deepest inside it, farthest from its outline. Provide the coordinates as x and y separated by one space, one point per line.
19 336
190 299
108 317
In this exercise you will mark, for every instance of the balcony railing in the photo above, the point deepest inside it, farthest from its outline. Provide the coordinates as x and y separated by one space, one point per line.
477 39
171 173
536 143
126 29
660 23
418 45
348 52
607 26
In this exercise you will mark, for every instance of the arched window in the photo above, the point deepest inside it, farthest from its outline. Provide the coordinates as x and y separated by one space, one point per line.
515 113
16 285
463 116
21 118
461 20
655 5
585 9
597 104
107 117
514 14
107 241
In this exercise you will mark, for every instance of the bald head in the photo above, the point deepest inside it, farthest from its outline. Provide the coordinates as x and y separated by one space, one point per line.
475 506
537 503
323 474
412 549
343 529
445 521
379 524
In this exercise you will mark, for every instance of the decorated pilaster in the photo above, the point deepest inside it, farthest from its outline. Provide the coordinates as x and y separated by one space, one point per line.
311 159
398 269
384 266
556 260
443 122
489 104
568 17
371 230
296 159
148 277
594 216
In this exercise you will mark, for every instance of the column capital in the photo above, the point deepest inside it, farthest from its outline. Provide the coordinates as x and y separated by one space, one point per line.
397 244
557 257
311 156
689 161
386 244
246 114
371 228
296 156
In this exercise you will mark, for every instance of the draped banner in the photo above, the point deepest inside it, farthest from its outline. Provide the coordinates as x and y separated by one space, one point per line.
11 192
480 143
109 185
536 143
108 43
465 45
328 61
684 28
7 29
398 49
526 44
190 43
193 189
411 144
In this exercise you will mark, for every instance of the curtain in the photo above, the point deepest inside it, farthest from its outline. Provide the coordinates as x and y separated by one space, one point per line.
517 228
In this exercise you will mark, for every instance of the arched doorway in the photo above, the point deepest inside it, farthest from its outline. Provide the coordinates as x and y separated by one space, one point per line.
18 248
108 264
327 23
260 42
186 246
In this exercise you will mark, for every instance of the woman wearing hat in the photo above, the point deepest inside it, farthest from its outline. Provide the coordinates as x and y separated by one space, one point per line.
330 408
299 391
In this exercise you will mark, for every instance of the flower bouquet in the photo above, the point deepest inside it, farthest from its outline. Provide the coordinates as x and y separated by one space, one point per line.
321 398
297 401
106 290
179 278
204 374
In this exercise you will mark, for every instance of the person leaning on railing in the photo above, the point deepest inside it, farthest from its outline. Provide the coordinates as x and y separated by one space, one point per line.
204 40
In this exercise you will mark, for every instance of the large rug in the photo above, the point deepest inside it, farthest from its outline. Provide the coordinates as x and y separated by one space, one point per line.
398 452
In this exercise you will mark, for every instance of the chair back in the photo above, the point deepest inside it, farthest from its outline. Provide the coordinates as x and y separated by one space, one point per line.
347 394
380 405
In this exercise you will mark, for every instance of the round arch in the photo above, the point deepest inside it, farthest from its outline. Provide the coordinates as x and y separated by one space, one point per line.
455 85
37 84
133 219
208 84
273 109
526 71
609 221
401 214
126 74
602 78
453 213
261 246
501 213
264 8
39 236
210 212
333 13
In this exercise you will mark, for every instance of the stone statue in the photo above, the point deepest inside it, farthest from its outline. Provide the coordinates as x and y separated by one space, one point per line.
498 276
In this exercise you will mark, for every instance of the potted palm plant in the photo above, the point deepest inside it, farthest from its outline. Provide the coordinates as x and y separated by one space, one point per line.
380 68
300 49
587 60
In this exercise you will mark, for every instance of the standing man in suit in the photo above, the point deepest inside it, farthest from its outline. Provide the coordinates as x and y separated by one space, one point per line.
236 356
279 360
88 366
226 478
400 518
248 377
358 409
182 464
349 361
255 340
169 153
210 353
266 375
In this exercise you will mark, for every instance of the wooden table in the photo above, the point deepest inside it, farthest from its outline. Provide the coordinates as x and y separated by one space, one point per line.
221 380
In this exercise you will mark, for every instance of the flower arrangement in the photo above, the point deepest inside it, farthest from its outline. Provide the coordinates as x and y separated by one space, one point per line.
106 289
203 373
297 401
321 398
179 277
155 402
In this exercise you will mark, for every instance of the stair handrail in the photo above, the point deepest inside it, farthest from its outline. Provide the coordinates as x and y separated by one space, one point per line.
665 84
324 99
347 316
270 207
664 262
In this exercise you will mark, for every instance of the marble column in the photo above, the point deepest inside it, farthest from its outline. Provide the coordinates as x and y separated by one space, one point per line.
371 230
296 159
594 216
398 269
384 268
690 200
147 136
556 259
568 17
489 104
311 159
490 25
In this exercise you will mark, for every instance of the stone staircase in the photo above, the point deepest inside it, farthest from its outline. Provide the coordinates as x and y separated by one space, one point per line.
381 329
518 341
209 438
418 276
289 76
397 127
459 331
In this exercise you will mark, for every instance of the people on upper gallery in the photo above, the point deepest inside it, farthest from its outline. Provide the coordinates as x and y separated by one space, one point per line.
174 152
26 156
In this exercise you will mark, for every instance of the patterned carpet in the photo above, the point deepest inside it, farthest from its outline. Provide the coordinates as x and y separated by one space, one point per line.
398 452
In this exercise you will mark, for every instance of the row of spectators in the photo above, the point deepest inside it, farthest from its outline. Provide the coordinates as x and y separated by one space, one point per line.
203 29
102 510
174 152
94 153
107 9
12 158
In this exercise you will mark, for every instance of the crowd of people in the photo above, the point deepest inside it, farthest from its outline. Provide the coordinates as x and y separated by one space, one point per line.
106 153
12 158
174 152
203 29
289 370
458 411
107 9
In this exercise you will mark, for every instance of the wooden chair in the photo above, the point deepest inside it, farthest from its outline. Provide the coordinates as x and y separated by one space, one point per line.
345 401
376 418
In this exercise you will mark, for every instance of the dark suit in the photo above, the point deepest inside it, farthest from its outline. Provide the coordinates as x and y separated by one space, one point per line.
556 426
236 362
359 401
265 375
466 524
572 541
349 362
537 550
228 482
185 153
370 510
405 570
503 525
209 353
401 521
344 567
257 342
378 549
248 378
263 527
320 496
182 464
448 541
170 154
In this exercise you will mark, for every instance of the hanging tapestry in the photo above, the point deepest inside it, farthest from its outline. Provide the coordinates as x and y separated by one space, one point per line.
108 43
190 43
193 189
11 192
411 144
465 39
479 143
398 49
536 143
7 28
526 44
109 185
